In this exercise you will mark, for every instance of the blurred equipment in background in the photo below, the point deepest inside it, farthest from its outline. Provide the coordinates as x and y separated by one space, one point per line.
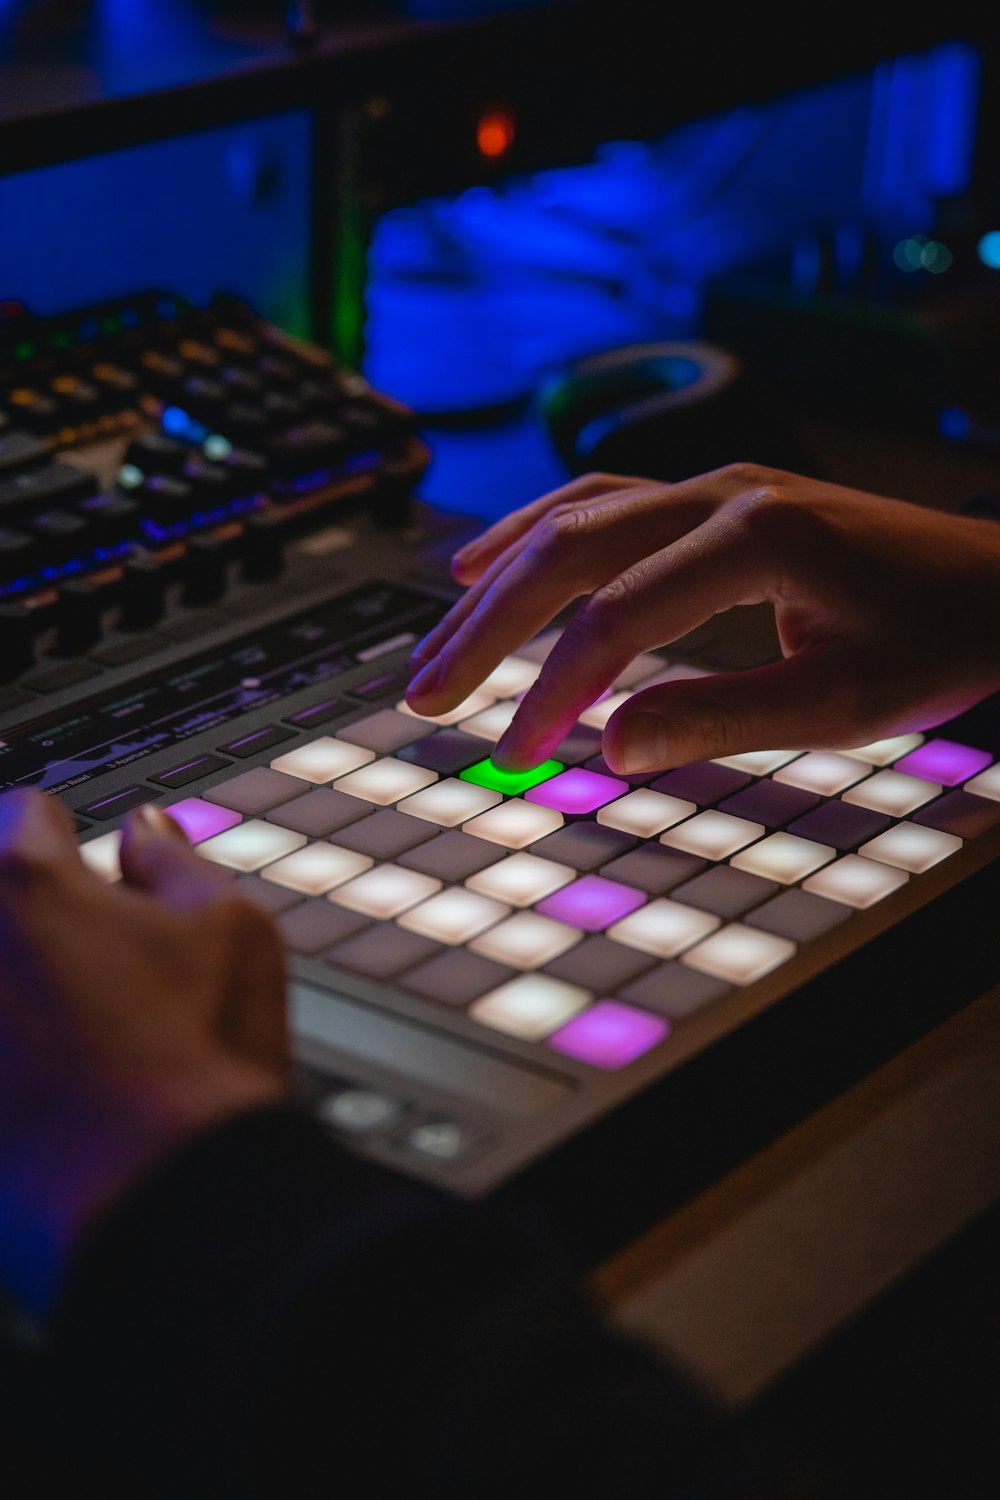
828 240
668 410
159 460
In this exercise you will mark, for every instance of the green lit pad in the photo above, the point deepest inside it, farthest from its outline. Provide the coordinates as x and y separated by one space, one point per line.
485 773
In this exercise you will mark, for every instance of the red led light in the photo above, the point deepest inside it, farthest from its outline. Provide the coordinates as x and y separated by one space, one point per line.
495 133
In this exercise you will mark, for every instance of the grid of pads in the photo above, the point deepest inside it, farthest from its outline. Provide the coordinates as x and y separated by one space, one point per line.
567 906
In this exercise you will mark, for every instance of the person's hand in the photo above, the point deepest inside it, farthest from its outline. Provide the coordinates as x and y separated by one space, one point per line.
132 1016
888 614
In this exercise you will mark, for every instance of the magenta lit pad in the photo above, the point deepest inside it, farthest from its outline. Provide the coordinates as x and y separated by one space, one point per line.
944 761
609 1034
202 820
577 791
591 903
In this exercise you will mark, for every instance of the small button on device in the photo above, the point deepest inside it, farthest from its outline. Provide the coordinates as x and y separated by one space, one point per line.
442 1140
319 713
116 803
191 770
259 739
360 1111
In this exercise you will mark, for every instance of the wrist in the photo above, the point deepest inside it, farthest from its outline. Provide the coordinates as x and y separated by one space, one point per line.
85 1151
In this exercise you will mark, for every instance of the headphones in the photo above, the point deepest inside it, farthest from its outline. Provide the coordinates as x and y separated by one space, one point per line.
666 411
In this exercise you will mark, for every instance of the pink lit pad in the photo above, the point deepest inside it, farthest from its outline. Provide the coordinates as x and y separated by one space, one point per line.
592 903
577 791
944 761
202 820
610 1035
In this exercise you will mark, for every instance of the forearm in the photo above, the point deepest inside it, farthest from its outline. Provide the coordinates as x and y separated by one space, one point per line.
237 1327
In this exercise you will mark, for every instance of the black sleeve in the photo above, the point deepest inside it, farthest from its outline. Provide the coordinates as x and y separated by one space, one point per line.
268 1316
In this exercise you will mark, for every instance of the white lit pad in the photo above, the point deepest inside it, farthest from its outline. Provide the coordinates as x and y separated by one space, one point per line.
450 802
322 760
317 868
514 675
640 669
491 723
892 792
541 646
251 845
473 704
453 916
102 856
784 857
855 881
526 940
530 1006
663 927
713 835
385 891
758 762
986 784
645 813
598 714
910 847
884 752
824 772
386 781
515 824
679 671
739 954
521 879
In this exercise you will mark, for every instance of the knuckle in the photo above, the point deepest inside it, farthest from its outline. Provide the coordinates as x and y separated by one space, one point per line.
611 606
774 514
718 727
597 482
748 476
558 531
608 614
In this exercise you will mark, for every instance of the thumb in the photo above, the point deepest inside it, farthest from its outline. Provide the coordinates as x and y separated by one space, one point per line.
156 857
804 702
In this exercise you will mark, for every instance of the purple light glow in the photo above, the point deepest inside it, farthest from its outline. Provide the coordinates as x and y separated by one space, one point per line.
202 820
609 1034
944 761
592 903
577 791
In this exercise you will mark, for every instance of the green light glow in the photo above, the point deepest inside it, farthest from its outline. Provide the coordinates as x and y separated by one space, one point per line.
511 783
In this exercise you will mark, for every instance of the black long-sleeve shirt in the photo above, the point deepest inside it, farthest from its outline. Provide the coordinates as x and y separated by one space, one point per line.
269 1316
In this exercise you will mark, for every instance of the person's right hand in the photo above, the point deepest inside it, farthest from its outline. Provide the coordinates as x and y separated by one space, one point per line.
888 614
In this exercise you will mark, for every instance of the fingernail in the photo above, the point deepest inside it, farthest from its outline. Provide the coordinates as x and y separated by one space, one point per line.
427 680
150 821
506 756
420 654
643 740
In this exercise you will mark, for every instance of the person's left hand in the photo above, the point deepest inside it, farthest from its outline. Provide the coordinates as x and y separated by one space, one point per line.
132 1016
